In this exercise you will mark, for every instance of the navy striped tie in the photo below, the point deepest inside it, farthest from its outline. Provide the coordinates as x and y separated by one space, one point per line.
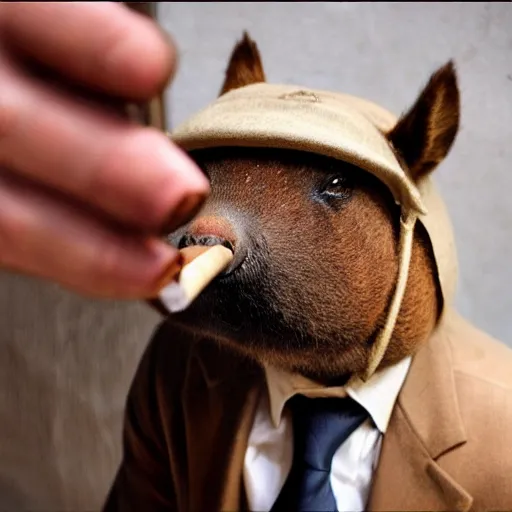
320 427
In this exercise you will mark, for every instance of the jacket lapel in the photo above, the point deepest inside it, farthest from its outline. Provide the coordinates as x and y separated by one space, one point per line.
425 424
222 391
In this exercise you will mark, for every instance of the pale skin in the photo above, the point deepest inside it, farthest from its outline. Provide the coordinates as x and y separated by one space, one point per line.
84 193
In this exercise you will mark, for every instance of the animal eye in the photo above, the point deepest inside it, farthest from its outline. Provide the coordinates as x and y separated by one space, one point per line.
337 187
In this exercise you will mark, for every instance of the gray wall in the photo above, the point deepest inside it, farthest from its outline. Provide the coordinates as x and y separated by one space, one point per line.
66 362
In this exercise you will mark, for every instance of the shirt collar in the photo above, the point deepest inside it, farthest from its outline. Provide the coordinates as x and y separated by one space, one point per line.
377 395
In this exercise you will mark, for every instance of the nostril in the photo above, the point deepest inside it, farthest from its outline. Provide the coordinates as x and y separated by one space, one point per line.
188 240
215 230
228 245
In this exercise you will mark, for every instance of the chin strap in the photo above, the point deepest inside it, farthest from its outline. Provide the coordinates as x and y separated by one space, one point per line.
404 258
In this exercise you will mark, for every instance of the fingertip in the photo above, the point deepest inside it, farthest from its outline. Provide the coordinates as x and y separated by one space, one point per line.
142 272
174 186
99 44
184 189
147 68
168 274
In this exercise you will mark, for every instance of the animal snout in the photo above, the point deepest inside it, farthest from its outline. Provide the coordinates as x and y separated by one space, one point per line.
209 231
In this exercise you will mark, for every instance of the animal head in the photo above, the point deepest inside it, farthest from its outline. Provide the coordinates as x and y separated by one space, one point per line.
316 240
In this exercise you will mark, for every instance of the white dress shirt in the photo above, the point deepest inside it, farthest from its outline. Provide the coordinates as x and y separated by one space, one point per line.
269 454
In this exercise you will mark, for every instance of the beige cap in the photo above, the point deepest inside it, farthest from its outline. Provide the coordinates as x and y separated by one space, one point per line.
339 126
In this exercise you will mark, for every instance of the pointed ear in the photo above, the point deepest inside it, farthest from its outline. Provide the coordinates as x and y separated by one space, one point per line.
424 135
244 66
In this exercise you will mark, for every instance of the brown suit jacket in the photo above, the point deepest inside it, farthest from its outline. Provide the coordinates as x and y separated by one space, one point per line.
448 445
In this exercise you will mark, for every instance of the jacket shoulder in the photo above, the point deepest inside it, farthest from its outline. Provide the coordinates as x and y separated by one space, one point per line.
181 358
482 369
478 356
168 353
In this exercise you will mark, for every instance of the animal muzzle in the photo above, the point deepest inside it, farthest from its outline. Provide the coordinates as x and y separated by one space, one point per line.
214 230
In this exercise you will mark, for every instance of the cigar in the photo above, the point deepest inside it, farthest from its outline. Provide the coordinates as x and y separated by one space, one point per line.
200 266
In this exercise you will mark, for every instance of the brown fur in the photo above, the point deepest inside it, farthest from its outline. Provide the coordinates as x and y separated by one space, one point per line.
244 66
317 270
424 135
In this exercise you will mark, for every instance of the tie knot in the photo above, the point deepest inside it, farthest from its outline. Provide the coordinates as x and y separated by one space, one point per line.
321 426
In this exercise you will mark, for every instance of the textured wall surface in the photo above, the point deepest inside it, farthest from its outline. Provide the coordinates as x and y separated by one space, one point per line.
66 363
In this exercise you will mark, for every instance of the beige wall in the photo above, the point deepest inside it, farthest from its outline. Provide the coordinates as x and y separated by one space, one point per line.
66 362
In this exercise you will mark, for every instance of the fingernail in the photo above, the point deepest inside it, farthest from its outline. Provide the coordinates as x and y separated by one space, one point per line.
176 160
186 210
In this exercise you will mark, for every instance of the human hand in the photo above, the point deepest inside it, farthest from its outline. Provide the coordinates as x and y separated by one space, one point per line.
84 193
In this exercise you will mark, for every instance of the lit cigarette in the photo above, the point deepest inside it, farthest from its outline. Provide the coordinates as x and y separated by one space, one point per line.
201 266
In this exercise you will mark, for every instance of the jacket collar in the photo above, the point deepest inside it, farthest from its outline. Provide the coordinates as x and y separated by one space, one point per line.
377 395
